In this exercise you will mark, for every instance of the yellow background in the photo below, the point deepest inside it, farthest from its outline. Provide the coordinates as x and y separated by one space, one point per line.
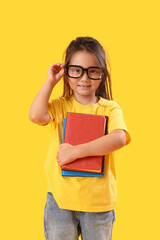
34 34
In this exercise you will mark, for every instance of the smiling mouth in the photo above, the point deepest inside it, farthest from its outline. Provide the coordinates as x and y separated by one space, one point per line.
84 86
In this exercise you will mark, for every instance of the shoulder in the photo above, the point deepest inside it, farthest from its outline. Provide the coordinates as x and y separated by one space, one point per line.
109 104
59 100
60 104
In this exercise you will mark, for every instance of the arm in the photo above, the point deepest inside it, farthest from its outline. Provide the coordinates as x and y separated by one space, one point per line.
38 111
99 147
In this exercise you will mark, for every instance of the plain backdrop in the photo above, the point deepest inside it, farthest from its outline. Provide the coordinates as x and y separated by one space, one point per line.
35 34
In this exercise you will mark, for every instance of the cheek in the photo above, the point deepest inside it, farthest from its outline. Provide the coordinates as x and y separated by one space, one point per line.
72 82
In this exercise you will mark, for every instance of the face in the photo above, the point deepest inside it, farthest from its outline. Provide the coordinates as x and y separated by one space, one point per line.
83 87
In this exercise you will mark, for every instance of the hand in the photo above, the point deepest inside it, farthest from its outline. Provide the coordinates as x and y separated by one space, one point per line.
66 154
54 74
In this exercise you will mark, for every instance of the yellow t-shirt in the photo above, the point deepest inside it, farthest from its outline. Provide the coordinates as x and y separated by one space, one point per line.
89 194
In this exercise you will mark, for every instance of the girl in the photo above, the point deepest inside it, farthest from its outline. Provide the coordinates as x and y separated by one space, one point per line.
80 204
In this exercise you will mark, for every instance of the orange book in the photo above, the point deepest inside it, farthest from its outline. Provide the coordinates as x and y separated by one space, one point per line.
82 128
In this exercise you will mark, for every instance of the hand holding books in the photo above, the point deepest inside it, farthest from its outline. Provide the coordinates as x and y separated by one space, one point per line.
66 154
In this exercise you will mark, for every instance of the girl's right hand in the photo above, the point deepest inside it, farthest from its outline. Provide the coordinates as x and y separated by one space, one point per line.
54 74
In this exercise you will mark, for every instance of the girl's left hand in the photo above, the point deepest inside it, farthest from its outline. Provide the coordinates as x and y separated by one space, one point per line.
66 154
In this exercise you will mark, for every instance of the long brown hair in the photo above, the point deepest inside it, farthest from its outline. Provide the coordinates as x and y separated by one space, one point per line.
90 45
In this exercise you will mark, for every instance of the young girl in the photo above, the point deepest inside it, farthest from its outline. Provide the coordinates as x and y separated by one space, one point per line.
80 205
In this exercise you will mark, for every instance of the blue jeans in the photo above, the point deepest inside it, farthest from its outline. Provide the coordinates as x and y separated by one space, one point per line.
61 224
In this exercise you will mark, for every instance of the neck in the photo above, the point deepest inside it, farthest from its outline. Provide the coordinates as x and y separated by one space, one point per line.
85 100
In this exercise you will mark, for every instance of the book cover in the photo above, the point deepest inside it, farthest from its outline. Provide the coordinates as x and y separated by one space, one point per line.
68 173
83 128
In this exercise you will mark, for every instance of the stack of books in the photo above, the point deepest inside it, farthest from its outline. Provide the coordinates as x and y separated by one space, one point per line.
79 128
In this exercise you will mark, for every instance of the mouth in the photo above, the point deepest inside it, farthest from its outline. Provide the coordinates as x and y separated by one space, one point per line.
84 86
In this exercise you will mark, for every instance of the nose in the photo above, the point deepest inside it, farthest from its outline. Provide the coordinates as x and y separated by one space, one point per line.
84 76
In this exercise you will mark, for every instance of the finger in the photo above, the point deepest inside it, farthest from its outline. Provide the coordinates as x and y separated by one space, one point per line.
57 64
61 73
62 65
58 161
56 67
62 145
60 164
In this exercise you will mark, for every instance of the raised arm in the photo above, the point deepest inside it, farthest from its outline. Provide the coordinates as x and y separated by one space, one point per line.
38 110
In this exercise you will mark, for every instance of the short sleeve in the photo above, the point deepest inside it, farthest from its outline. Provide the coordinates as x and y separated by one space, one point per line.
116 121
51 111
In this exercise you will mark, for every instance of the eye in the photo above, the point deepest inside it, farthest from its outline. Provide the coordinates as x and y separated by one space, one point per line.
74 71
77 70
93 71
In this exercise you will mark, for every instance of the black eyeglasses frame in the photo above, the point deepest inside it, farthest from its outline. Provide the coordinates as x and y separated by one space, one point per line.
84 69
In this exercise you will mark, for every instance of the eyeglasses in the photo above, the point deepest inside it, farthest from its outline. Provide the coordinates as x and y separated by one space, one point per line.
75 71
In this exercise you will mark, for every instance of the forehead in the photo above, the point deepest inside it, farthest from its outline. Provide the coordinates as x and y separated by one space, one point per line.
84 59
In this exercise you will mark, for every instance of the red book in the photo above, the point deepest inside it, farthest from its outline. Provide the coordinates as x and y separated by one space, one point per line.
82 128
